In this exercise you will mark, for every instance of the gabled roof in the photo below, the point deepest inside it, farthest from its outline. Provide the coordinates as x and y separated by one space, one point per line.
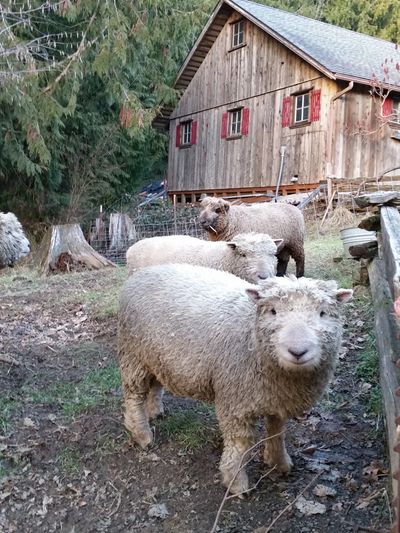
338 53
341 53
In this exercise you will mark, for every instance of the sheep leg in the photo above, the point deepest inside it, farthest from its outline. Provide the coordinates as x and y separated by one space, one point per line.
155 400
283 260
298 256
136 418
275 453
236 443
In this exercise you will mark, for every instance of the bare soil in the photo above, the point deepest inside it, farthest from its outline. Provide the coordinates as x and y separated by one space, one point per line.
68 465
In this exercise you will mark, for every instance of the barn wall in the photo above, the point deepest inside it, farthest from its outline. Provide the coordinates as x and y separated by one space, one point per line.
363 146
258 75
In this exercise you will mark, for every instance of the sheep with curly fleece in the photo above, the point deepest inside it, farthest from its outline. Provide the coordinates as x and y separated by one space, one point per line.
223 221
250 256
13 243
267 350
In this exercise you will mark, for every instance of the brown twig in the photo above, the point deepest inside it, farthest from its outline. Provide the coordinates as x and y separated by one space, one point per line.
274 521
8 359
228 496
366 528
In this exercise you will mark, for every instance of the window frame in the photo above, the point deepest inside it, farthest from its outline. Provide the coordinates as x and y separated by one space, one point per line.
183 126
231 114
303 120
241 34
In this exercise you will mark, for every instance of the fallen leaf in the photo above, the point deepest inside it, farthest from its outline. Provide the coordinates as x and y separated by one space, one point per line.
158 510
28 422
308 507
322 491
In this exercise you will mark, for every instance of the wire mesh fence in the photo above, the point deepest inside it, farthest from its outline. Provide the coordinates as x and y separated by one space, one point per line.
112 235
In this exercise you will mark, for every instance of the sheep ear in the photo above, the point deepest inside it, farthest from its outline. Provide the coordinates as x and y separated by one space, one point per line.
279 244
343 295
225 205
232 245
253 294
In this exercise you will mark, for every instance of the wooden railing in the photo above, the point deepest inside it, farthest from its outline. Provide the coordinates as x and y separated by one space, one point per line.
245 194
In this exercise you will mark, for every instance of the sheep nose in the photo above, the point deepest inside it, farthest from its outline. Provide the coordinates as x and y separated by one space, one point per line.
297 353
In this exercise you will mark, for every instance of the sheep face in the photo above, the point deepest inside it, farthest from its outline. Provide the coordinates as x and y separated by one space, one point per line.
300 318
255 255
214 214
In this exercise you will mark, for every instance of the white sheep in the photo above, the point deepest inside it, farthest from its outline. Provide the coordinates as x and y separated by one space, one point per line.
13 243
223 221
266 350
250 256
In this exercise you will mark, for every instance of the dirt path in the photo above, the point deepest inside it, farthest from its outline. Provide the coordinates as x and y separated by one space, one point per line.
66 463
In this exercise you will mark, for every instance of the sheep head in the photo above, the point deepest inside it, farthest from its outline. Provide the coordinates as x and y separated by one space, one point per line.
255 255
299 319
214 214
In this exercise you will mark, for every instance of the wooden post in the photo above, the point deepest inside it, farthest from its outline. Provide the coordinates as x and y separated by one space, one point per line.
175 226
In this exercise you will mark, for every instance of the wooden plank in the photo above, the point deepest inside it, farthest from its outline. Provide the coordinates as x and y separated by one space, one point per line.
377 198
388 348
390 227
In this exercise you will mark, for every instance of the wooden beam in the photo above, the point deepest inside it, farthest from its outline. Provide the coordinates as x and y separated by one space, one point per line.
388 348
378 198
390 224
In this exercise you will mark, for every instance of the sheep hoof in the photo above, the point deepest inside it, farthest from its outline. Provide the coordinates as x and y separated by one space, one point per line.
282 464
239 486
144 438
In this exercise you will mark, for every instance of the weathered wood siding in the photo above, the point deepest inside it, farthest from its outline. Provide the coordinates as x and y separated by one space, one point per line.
258 75
362 143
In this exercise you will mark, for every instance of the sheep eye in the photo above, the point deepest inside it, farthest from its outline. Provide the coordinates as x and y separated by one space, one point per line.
218 210
322 313
273 312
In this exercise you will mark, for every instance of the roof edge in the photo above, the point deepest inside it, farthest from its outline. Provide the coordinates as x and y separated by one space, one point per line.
199 39
282 40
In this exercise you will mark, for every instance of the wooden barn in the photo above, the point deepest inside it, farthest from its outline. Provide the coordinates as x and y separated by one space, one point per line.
270 96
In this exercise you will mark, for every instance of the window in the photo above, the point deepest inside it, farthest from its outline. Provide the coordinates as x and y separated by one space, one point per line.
238 33
186 134
302 108
235 123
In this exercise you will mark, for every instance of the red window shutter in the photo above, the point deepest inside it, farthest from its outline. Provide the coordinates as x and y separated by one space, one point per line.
178 136
194 132
315 105
387 107
286 111
224 126
245 121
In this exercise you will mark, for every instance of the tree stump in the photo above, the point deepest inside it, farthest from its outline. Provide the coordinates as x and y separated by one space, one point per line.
64 249
121 234
98 235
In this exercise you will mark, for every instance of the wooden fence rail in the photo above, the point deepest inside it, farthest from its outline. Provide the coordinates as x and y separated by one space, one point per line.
384 274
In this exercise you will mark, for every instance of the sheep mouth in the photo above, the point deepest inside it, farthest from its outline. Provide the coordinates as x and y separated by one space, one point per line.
208 227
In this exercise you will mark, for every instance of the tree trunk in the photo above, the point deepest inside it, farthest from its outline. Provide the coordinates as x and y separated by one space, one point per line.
121 233
64 249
